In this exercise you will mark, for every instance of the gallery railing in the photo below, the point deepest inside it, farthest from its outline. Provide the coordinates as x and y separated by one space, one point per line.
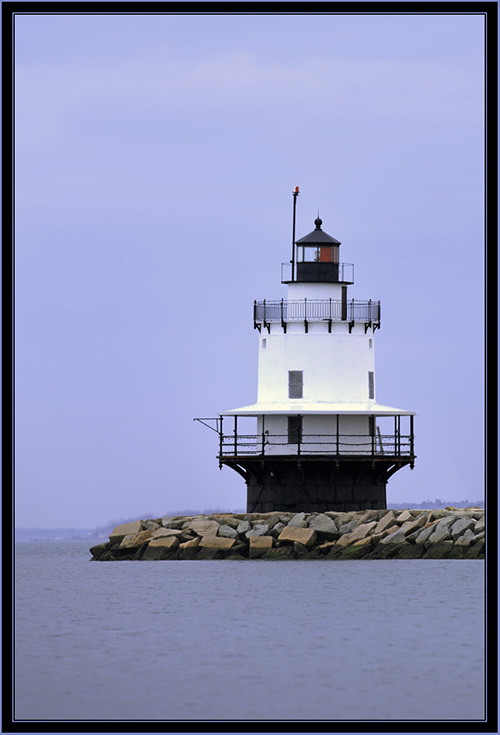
316 310
259 445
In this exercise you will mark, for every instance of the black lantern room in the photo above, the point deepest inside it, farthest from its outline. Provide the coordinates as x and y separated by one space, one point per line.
318 257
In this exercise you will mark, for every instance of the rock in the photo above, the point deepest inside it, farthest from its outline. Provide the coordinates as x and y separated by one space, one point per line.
476 551
356 551
277 529
259 545
340 518
305 536
273 519
466 539
377 537
449 520
161 548
443 514
362 530
204 528
389 519
405 515
284 552
385 522
185 535
243 527
334 552
239 548
217 542
410 551
324 526
135 540
173 522
208 554
441 532
480 525
332 514
164 542
231 521
387 551
348 527
412 537
190 553
258 530
343 541
99 549
368 515
396 538
458 551
151 525
460 526
298 521
299 549
126 529
192 544
423 536
365 541
164 532
412 526
440 550
325 547
227 531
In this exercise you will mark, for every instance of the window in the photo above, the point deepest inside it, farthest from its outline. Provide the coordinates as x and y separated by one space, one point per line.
308 254
264 344
370 344
371 385
294 429
295 384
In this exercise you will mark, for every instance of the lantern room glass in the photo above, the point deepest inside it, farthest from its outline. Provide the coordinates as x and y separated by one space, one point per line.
318 254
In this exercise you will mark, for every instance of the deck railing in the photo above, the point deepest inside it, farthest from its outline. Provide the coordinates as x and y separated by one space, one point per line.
258 445
317 310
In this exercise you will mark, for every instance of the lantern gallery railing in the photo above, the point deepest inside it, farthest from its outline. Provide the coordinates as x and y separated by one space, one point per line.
259 445
316 310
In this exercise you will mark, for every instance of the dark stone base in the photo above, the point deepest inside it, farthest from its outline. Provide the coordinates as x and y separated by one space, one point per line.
315 487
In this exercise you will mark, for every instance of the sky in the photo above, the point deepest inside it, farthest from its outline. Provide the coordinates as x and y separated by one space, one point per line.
155 159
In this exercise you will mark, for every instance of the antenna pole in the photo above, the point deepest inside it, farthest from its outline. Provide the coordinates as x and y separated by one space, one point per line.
295 195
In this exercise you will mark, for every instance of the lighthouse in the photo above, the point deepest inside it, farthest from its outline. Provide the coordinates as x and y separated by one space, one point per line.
316 439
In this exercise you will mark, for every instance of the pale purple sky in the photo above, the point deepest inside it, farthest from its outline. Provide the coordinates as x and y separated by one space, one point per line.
155 160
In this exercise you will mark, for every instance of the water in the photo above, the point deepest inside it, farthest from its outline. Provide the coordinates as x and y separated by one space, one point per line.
250 640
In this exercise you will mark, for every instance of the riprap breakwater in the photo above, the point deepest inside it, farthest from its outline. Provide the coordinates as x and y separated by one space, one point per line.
371 534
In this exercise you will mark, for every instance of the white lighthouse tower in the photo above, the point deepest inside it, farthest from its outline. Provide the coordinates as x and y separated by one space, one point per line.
319 441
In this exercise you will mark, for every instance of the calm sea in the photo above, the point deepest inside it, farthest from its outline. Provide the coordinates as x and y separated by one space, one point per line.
250 640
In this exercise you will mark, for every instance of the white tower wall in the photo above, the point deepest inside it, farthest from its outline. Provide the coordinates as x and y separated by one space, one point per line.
299 291
335 365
